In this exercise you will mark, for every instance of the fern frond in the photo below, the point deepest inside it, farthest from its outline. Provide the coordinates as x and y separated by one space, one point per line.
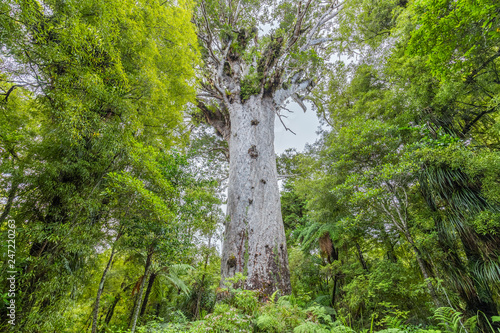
450 319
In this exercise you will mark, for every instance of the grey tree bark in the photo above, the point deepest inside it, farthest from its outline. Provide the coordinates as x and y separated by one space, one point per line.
101 285
246 81
141 290
254 242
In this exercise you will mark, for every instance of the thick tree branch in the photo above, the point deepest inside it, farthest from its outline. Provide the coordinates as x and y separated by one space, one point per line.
298 25
329 14
7 94
234 18
470 78
320 41
296 86
276 64
300 101
216 118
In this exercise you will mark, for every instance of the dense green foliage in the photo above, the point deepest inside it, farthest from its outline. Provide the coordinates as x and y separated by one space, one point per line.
401 192
392 217
92 103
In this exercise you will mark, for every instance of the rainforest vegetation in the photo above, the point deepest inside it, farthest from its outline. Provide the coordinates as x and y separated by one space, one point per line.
127 127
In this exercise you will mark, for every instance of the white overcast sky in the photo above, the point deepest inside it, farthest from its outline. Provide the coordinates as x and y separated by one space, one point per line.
305 125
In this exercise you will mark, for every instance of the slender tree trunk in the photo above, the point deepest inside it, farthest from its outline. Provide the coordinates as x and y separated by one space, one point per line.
101 286
132 311
332 254
361 257
401 223
111 309
202 289
139 294
254 242
423 269
334 291
151 281
334 257
391 256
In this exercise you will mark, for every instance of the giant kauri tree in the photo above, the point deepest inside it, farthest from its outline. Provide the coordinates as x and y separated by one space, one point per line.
246 81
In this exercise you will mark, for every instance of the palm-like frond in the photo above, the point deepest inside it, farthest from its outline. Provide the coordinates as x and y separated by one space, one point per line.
178 282
173 274
487 270
456 199
313 232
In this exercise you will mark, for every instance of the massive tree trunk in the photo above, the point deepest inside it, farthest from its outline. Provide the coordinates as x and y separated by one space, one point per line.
245 82
254 242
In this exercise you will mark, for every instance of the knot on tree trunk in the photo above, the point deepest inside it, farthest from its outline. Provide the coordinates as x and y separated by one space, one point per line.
231 262
252 151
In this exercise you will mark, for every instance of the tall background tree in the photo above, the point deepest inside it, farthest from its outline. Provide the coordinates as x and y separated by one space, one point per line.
104 83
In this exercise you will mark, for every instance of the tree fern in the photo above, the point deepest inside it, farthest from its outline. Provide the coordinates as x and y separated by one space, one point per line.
173 273
311 234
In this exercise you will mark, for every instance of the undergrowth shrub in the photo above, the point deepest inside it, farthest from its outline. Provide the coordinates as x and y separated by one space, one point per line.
241 311
278 317
225 318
